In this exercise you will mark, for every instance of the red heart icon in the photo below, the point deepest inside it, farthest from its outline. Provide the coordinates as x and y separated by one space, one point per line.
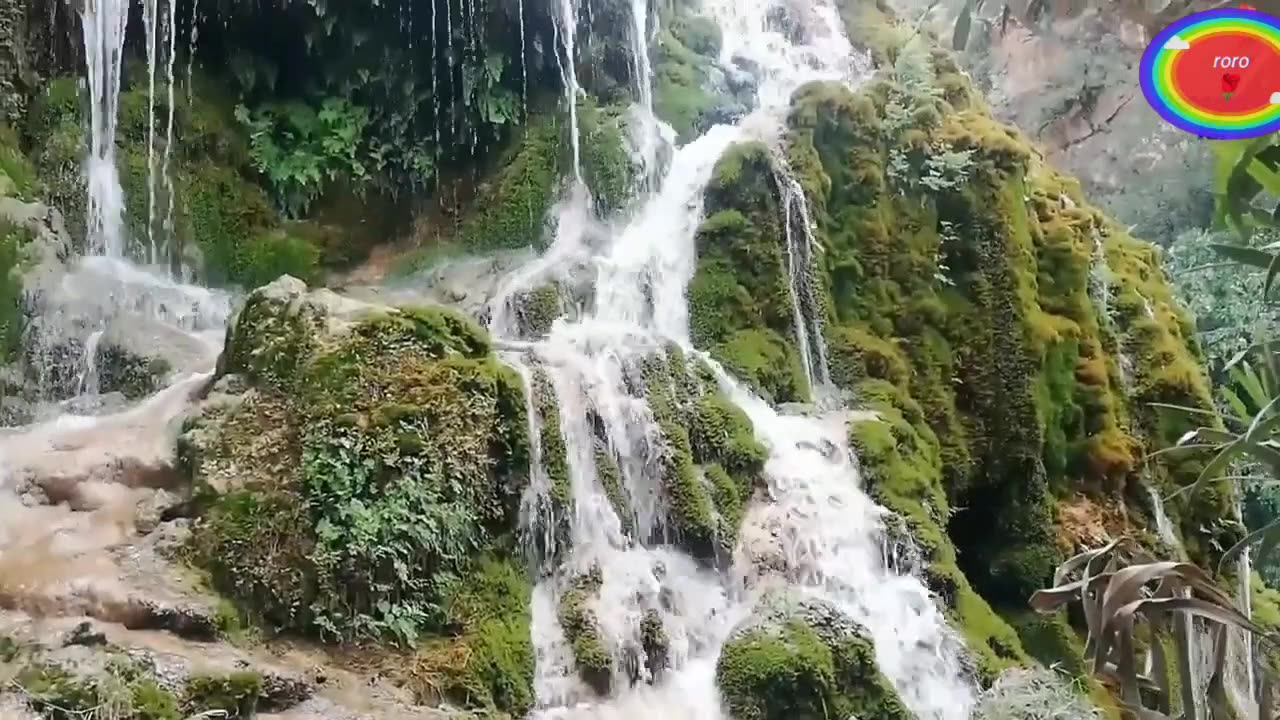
1230 81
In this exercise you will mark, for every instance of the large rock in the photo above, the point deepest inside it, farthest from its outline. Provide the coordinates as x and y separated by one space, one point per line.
353 465
803 660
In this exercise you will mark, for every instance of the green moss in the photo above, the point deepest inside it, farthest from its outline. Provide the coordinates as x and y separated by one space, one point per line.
537 309
654 642
134 377
488 663
606 160
57 141
900 459
713 460
9 649
793 673
610 477
687 48
17 174
578 620
152 702
13 242
235 694
510 210
58 694
555 458
258 546
740 297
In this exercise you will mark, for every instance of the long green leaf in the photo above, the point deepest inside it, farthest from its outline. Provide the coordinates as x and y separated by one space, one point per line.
1183 408
1244 255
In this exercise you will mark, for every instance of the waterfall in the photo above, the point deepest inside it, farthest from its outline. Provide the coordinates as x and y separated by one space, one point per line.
647 134
103 25
524 61
1239 678
88 382
829 535
804 302
567 33
171 250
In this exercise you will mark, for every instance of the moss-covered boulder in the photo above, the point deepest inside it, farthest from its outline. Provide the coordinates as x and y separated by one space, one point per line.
355 461
803 660
740 305
711 462
578 620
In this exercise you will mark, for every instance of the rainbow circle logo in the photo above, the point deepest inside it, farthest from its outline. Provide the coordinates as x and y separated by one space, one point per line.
1217 74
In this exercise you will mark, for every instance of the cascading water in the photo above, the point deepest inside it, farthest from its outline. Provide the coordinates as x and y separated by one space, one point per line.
804 303
103 26
567 32
824 536
160 19
647 136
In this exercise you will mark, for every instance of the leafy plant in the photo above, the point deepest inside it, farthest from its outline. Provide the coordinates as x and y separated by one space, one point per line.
300 149
1247 182
1130 598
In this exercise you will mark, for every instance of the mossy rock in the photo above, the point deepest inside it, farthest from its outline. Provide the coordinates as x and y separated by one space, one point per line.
401 422
510 208
711 462
687 49
14 240
17 173
805 662
607 167
595 664
740 304
486 662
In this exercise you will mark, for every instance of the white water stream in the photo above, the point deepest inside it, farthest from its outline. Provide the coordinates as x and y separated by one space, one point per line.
103 26
817 533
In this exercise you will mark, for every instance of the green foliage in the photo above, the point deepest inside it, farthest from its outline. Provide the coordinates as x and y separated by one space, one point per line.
125 691
17 175
218 210
1223 300
434 90
258 545
13 240
235 694
1247 185
488 662
300 149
